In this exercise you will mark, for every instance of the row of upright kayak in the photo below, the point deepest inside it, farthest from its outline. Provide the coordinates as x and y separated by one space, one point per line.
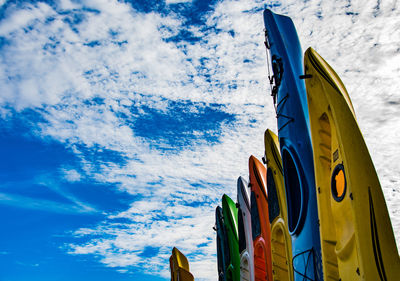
314 209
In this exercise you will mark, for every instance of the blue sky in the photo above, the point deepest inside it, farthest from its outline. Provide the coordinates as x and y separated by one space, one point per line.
122 123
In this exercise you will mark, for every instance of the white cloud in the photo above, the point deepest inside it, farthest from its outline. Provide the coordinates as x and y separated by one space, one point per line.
43 204
177 1
25 17
53 69
158 70
71 175
129 240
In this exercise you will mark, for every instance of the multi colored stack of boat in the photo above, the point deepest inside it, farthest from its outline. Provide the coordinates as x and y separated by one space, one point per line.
316 211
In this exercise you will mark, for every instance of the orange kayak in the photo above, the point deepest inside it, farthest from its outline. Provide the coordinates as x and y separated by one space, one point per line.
261 230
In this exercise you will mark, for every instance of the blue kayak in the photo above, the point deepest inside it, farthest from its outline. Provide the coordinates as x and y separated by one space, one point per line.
286 59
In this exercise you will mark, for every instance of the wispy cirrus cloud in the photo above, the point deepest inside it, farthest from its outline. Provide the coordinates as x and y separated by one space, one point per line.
169 112
165 113
43 204
44 192
177 1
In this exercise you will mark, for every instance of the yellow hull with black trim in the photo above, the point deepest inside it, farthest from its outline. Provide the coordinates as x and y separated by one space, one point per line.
360 244
281 244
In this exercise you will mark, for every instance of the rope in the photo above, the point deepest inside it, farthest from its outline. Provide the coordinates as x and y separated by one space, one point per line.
267 47
276 78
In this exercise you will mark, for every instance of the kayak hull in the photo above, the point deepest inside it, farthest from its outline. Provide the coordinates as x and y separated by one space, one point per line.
261 231
222 244
361 240
230 214
281 245
295 145
179 267
245 239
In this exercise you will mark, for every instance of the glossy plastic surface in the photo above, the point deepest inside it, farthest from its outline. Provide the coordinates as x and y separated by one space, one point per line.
223 255
262 238
359 244
245 236
295 145
281 244
230 215
179 267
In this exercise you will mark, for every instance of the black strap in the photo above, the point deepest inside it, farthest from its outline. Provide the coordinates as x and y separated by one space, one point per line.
308 257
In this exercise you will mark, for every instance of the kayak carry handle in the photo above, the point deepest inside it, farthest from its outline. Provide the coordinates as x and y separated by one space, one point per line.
305 76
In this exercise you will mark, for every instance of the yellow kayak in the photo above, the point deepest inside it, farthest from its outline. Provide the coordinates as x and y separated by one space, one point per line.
359 244
281 244
179 267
